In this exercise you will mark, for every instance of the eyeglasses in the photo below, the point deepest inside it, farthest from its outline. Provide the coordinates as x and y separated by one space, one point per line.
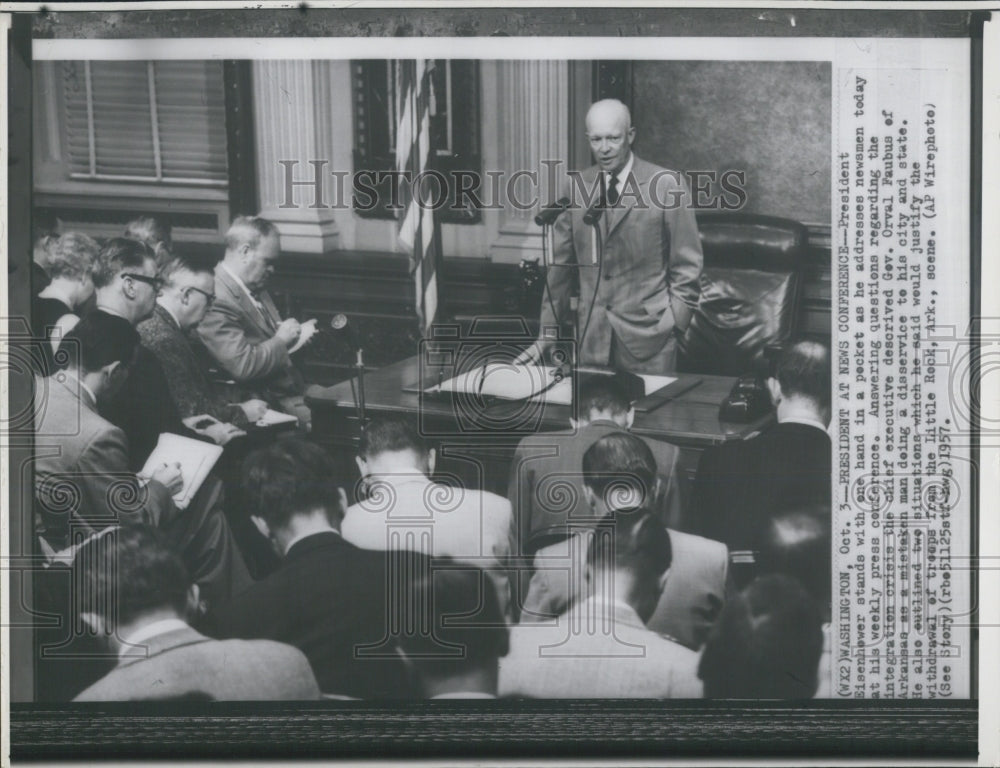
209 297
156 282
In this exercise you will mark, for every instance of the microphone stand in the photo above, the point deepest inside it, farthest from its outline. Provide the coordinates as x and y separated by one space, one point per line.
359 366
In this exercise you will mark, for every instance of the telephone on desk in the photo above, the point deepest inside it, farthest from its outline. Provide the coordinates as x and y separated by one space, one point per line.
747 401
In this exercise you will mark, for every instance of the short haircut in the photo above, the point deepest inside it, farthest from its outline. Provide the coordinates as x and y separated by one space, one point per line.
460 608
804 370
119 254
71 255
389 434
98 340
632 541
199 263
288 478
248 230
766 644
149 230
621 470
602 394
44 223
128 571
797 544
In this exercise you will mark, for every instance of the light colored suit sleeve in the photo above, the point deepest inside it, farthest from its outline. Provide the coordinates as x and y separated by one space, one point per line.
111 493
683 263
223 335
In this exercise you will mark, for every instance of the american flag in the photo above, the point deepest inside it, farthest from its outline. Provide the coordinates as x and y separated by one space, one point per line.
419 232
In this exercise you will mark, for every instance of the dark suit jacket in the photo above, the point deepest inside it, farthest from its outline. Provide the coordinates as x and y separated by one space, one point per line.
740 485
241 339
184 663
82 473
650 281
144 408
329 599
190 387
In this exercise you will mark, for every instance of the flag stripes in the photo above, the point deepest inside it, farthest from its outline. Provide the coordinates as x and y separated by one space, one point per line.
419 232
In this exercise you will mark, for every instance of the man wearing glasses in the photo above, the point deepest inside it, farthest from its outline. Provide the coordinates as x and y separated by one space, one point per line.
640 294
187 295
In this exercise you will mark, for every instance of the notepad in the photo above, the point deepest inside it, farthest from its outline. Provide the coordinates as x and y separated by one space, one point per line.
270 418
196 459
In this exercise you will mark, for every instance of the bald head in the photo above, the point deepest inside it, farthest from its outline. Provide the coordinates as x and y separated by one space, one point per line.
610 131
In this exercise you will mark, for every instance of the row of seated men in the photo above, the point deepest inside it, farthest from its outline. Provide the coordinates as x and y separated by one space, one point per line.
342 572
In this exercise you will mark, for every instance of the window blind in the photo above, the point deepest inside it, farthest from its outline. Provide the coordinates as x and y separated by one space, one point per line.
160 121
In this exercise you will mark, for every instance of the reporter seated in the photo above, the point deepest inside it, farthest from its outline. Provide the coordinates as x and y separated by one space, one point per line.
188 293
601 647
83 483
136 596
767 644
335 602
457 657
741 483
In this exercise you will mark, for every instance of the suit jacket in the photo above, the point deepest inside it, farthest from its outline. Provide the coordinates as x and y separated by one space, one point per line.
330 600
190 387
545 486
183 663
143 408
740 485
597 650
82 474
241 339
652 262
468 525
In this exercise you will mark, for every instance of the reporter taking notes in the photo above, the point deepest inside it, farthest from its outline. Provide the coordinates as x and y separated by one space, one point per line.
647 283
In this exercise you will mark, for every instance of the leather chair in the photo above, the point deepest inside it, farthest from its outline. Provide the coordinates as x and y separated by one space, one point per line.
750 289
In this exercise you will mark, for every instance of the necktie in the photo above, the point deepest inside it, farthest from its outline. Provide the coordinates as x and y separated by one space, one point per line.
613 191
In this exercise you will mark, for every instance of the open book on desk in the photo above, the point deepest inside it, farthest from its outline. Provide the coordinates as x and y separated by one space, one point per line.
525 382
196 459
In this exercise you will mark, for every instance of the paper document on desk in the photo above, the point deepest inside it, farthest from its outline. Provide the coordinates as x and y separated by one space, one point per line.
196 459
271 418
527 382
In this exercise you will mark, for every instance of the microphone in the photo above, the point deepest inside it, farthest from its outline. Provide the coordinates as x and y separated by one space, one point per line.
551 211
593 214
346 330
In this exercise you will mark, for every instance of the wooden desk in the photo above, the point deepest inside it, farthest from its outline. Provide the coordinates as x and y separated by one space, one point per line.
472 447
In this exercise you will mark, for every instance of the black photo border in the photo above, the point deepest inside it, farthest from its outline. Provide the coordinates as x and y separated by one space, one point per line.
480 729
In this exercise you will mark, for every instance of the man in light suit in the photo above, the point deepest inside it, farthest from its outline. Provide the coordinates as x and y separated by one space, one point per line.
136 595
405 508
547 490
83 483
601 648
651 262
243 331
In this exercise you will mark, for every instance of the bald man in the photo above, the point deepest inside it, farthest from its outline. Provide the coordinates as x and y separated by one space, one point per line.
243 330
634 306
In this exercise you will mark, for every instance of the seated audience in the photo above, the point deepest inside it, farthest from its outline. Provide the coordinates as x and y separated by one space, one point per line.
127 286
188 292
691 598
601 647
135 594
406 509
332 600
457 658
70 261
82 479
739 484
243 331
766 644
155 233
